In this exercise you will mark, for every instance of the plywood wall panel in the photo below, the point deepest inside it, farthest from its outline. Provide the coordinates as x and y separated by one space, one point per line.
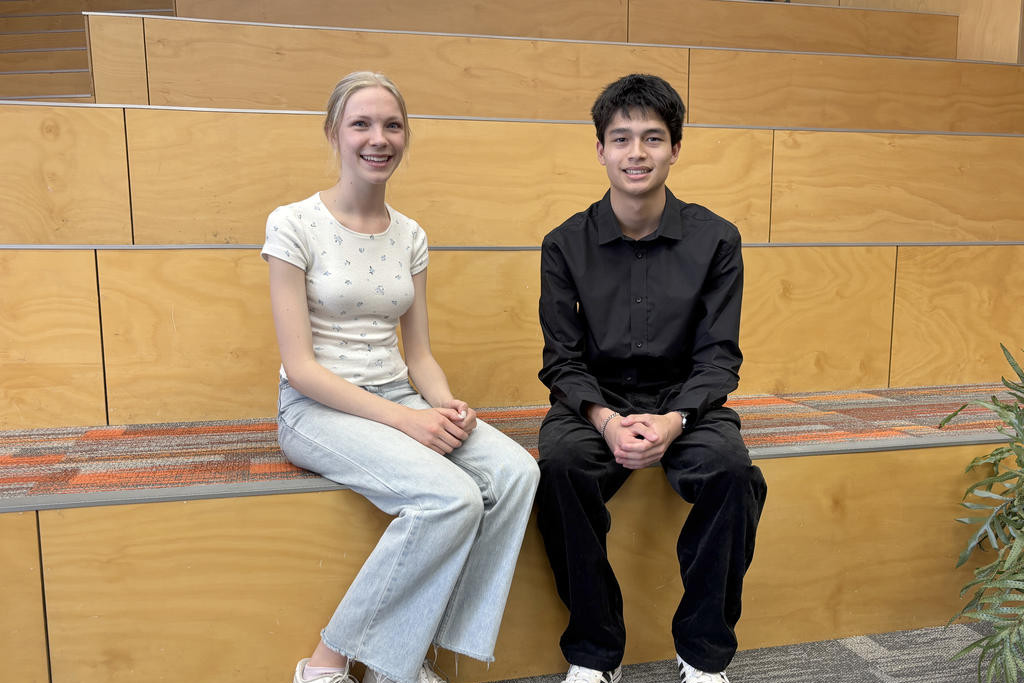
42 41
22 629
526 178
991 30
233 589
66 178
484 329
43 83
778 89
954 306
816 318
575 19
941 6
238 588
863 187
31 23
798 27
15 7
51 371
848 545
233 65
117 54
212 177
508 184
42 60
187 335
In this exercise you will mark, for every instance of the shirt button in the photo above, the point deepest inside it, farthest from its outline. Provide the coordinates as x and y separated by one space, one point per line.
639 344
638 299
639 254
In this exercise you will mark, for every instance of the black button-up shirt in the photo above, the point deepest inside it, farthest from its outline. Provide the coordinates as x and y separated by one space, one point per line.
648 325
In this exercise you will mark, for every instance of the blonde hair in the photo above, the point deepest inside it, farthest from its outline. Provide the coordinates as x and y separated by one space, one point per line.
357 80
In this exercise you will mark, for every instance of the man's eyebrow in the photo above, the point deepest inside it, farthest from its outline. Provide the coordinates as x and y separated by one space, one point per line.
647 131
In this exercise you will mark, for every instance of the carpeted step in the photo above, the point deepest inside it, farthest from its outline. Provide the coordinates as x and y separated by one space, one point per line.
82 466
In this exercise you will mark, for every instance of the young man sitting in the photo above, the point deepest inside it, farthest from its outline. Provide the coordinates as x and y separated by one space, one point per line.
640 309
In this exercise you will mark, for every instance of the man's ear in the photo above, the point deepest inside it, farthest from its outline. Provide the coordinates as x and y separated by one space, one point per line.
600 152
675 152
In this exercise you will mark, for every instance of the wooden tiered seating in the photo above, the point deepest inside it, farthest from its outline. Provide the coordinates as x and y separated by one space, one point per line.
871 262
676 22
192 572
43 46
253 66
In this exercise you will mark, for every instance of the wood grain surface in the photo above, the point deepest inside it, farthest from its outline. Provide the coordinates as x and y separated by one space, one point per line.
855 544
44 83
235 589
484 329
238 588
508 184
65 181
117 54
42 41
992 30
212 177
477 183
954 306
942 6
14 7
816 318
51 371
235 65
778 89
37 23
863 187
44 60
574 19
798 27
187 335
22 628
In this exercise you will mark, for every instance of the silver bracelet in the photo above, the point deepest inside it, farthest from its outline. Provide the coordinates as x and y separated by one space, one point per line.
604 425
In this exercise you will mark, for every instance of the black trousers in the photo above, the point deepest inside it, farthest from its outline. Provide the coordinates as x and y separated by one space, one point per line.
710 468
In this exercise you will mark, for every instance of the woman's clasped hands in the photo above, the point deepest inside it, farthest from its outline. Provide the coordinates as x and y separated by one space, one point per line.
441 428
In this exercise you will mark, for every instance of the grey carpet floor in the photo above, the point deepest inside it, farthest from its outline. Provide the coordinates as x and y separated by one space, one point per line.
920 656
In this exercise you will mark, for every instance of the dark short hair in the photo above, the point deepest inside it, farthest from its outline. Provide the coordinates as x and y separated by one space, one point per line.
644 93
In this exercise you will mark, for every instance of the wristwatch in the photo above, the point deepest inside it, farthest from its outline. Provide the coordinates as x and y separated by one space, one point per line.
685 417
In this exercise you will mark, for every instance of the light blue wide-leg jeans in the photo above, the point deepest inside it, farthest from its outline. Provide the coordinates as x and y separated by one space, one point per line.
441 572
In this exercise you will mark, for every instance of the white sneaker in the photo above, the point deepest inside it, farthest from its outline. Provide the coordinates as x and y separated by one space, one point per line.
581 674
342 676
687 674
372 676
426 675
429 675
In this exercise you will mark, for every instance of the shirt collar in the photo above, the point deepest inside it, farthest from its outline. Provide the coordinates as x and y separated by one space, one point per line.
670 225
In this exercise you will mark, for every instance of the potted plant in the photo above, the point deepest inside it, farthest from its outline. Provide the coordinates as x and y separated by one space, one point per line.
996 502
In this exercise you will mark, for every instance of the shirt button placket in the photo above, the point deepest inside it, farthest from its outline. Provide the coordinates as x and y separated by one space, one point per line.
638 286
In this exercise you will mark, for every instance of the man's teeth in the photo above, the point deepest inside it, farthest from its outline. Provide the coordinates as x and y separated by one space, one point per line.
636 171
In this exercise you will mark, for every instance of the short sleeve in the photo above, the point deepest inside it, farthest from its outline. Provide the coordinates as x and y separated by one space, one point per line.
420 255
285 238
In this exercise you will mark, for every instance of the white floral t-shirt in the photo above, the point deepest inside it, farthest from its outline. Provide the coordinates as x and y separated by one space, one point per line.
357 286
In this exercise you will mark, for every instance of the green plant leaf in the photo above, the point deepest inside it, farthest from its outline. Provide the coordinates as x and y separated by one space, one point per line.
945 421
1013 363
984 493
995 594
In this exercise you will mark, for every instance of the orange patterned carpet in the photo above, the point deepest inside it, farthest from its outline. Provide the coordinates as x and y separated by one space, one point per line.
42 468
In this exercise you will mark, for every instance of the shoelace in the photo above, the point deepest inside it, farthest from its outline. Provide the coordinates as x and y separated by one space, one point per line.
690 675
705 677
342 677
